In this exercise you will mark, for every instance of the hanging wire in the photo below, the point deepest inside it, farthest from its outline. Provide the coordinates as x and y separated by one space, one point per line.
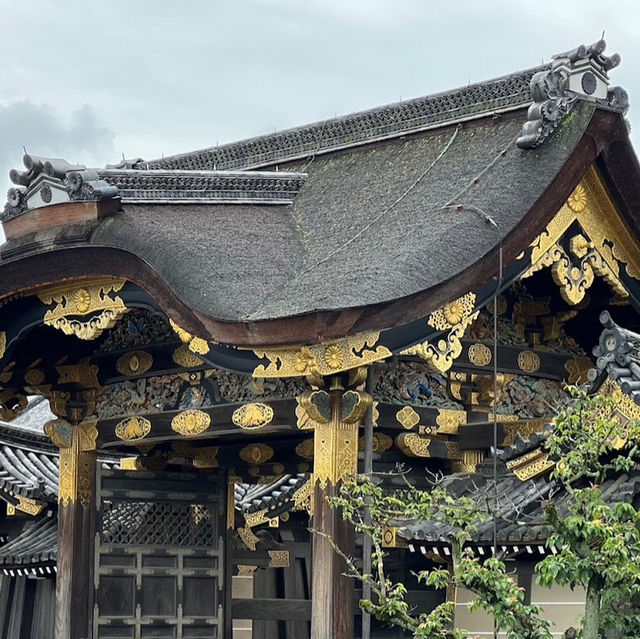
495 415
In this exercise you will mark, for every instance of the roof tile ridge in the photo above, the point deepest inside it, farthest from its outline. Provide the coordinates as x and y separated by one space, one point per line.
320 126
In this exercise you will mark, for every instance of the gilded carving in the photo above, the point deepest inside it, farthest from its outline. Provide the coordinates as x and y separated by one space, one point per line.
449 421
256 453
607 242
34 377
252 416
321 359
480 354
249 539
524 429
83 373
469 462
303 497
578 369
135 363
133 428
278 558
334 420
246 570
77 459
381 442
305 449
182 356
195 344
93 299
29 506
531 465
191 422
414 445
391 539
528 361
3 343
408 417
455 317
206 457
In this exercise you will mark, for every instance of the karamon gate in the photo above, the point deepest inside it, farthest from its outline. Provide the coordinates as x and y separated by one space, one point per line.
225 337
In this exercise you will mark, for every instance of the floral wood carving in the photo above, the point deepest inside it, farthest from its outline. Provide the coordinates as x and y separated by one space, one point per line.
454 318
91 300
321 359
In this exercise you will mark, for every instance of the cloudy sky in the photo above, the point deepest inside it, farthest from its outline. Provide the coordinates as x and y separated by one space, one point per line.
90 81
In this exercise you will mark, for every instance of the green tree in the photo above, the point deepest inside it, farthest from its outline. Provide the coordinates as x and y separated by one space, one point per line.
596 540
371 508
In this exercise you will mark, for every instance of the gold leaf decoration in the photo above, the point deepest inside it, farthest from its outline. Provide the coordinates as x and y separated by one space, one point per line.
305 449
577 201
252 416
381 442
73 302
480 354
134 363
408 417
321 359
441 354
133 428
531 465
578 369
528 361
449 421
610 243
256 453
3 343
191 422
195 344
182 356
414 445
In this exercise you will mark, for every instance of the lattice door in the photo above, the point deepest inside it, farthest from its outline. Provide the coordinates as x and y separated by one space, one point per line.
159 557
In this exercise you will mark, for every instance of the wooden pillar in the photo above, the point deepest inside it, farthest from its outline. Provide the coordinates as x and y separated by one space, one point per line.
334 416
76 527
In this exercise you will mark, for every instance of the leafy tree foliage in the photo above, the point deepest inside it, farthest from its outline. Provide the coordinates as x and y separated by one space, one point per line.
495 591
597 542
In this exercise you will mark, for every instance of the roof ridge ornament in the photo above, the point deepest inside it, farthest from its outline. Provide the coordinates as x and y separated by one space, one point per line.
578 74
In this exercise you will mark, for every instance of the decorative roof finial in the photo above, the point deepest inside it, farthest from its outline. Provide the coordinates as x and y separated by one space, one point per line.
578 74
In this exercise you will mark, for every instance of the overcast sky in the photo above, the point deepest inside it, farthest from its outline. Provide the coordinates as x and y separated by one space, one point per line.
90 81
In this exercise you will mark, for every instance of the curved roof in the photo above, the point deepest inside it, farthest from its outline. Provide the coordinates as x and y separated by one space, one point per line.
359 221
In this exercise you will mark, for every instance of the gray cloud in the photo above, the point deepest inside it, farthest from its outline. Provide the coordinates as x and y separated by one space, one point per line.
80 137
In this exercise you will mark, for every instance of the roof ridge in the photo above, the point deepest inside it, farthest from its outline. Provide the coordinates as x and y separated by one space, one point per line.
475 100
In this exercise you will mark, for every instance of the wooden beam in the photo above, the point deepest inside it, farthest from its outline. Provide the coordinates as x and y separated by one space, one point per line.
272 609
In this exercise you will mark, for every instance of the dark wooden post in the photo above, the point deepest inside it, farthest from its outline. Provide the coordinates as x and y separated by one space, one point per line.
334 416
76 527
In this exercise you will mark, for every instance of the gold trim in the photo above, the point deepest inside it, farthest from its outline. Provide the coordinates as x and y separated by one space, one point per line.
450 420
191 422
3 344
182 356
606 245
480 354
408 418
245 570
256 454
278 558
252 416
133 428
29 506
89 298
528 361
531 465
326 358
454 317
414 445
134 363
196 344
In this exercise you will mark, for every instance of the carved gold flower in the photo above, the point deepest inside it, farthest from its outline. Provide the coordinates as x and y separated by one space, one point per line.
577 201
82 300
454 312
302 360
333 356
